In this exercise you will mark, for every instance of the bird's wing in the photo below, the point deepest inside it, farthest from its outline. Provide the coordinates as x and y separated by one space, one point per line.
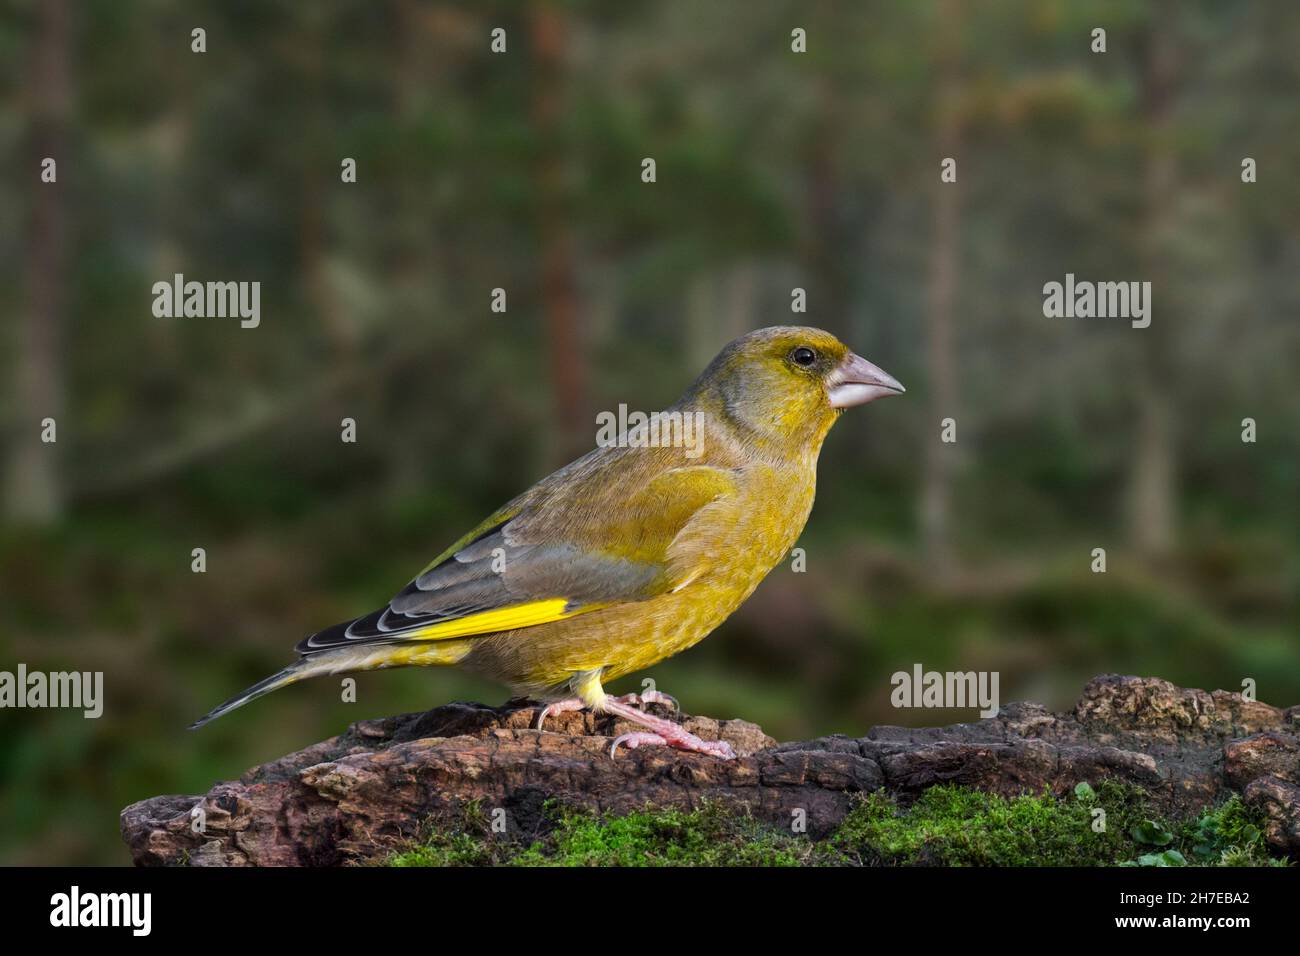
601 531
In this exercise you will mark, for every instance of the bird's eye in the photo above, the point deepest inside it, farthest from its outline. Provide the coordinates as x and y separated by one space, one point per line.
803 356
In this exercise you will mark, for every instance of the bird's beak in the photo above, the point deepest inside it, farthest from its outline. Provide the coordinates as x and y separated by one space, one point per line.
856 381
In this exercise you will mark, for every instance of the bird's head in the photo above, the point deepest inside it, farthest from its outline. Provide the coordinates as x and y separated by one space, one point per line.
790 383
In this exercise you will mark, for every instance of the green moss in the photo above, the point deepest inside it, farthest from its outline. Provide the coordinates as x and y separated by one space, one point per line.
958 826
1103 825
707 836
461 839
457 849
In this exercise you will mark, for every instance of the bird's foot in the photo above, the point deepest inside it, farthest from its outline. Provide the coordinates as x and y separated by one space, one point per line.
575 703
663 733
650 697
689 742
558 707
636 739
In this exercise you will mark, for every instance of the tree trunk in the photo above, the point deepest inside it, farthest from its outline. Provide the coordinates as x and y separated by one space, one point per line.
559 294
828 300
350 799
940 458
314 199
1152 481
34 494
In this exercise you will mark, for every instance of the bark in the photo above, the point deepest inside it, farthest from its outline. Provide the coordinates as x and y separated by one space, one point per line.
34 494
359 796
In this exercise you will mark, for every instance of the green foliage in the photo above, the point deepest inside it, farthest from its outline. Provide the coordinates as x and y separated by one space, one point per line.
1228 835
1167 858
1152 833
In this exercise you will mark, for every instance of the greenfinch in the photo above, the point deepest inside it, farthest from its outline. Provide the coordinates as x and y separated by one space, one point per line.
632 553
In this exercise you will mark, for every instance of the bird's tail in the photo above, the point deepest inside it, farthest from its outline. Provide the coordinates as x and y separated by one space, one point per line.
343 661
295 672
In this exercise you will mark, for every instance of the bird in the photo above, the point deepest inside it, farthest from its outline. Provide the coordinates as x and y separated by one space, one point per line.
628 555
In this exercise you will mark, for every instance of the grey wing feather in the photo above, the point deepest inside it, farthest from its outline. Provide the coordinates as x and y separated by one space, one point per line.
490 573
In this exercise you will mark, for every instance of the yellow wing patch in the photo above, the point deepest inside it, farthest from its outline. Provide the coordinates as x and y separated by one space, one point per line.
502 619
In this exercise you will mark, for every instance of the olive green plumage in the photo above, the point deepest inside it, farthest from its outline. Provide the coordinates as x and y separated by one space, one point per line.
629 554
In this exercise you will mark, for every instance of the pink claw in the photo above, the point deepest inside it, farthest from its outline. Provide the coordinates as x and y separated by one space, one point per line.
636 739
574 703
663 732
714 748
652 697
558 707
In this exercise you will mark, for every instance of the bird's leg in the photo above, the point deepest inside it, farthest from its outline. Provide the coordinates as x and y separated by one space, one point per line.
661 732
576 703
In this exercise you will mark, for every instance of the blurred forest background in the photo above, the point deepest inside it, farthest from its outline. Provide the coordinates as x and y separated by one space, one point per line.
521 171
